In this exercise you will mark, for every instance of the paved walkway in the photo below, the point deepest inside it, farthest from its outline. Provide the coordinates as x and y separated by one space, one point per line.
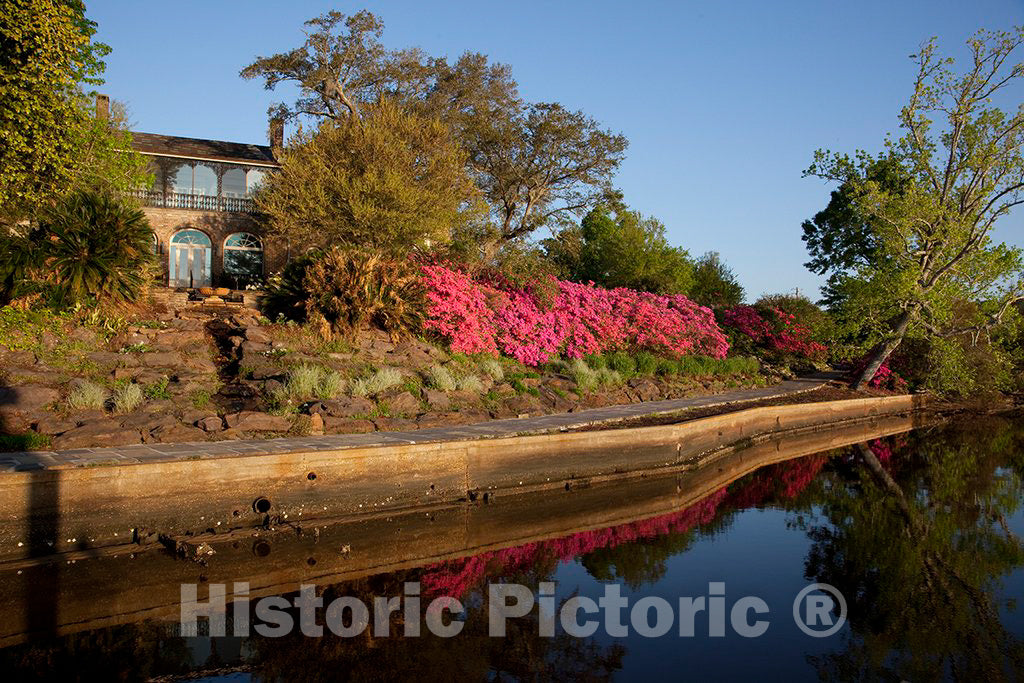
124 455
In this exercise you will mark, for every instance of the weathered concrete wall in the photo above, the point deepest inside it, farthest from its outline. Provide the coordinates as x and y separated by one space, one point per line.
57 510
137 584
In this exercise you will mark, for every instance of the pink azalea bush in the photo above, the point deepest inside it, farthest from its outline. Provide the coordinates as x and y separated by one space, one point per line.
774 330
885 377
478 317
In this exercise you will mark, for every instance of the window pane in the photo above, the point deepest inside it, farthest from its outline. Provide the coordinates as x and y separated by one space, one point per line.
233 183
255 178
204 181
181 180
190 236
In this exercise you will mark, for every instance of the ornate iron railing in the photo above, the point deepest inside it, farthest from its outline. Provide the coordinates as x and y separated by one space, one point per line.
200 202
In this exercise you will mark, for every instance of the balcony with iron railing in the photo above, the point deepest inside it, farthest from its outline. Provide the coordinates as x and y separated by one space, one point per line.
199 202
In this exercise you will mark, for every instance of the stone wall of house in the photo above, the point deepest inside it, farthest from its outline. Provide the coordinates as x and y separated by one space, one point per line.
218 225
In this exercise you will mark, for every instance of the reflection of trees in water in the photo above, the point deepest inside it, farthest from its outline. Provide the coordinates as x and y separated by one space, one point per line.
911 529
918 544
131 652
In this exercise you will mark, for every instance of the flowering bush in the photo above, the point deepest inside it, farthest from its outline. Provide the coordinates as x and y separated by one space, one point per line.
885 377
774 330
581 319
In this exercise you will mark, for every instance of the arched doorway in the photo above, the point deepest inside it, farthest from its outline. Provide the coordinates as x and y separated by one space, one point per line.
190 258
243 259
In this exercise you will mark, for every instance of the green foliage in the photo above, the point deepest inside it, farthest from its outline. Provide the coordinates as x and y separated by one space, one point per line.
622 363
87 396
908 236
29 441
441 378
306 382
583 375
200 399
622 249
285 293
158 390
94 247
348 290
492 368
379 382
128 397
46 52
393 182
646 362
714 283
470 383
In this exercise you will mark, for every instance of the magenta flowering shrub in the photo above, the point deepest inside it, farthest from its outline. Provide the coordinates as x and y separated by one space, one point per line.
478 317
885 377
774 330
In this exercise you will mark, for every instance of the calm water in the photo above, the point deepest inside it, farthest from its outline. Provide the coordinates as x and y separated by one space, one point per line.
920 532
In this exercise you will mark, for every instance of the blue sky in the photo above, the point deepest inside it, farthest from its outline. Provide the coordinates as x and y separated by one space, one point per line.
723 103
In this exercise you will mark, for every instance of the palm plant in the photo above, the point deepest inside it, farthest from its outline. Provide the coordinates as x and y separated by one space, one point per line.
96 246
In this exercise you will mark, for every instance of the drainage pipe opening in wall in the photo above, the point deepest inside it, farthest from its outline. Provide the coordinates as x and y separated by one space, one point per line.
261 505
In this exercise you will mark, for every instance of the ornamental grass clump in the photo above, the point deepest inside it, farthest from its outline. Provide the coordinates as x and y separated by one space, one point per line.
379 382
583 375
313 381
493 369
470 383
128 397
87 396
441 378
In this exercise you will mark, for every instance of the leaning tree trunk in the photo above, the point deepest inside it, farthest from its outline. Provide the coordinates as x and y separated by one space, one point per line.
883 350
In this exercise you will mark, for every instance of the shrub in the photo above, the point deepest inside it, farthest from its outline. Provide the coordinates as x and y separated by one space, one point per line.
667 366
349 289
285 294
772 330
96 247
646 363
87 396
441 378
622 363
582 319
607 377
128 397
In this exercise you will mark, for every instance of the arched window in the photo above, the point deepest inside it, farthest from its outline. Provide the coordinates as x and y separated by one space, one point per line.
189 259
154 243
243 258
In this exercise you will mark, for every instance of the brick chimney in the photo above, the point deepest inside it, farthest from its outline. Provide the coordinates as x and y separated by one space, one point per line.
102 107
276 133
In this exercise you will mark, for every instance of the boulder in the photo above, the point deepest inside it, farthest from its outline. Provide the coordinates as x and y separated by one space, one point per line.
53 425
97 434
394 424
84 335
213 423
177 433
524 405
180 338
348 406
344 425
404 404
439 420
200 362
27 398
251 347
23 358
252 421
105 358
256 335
161 359
316 424
437 400
147 421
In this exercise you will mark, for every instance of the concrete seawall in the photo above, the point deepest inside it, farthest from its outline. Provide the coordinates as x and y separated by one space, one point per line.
88 508
94 588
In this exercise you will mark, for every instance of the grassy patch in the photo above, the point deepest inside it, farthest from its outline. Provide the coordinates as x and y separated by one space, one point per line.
200 399
87 396
158 390
378 382
440 377
29 441
128 397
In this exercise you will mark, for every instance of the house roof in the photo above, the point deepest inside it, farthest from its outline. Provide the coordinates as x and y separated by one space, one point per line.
197 148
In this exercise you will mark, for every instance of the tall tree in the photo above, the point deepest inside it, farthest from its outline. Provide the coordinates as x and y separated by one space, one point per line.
533 162
46 56
930 239
397 183
714 283
616 247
